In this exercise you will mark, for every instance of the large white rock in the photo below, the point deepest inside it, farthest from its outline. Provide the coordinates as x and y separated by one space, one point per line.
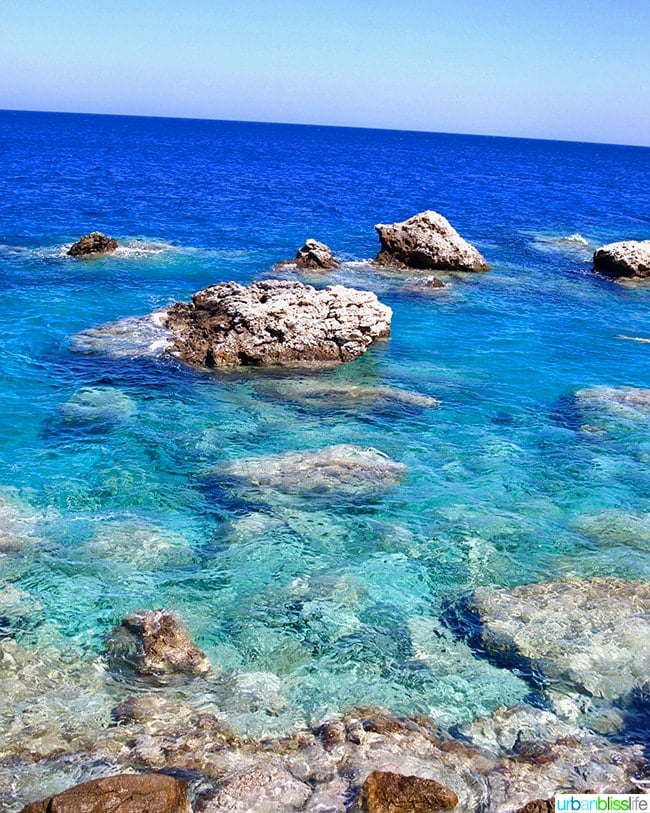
276 322
427 240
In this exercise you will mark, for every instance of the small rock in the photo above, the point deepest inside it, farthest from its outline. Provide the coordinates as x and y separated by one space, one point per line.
629 259
93 244
125 793
275 322
313 256
152 642
386 792
427 240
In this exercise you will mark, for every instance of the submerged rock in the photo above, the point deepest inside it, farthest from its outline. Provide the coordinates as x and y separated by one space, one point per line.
387 792
590 636
313 256
624 401
427 240
125 793
341 393
270 790
153 642
344 469
629 259
92 245
98 405
538 806
275 322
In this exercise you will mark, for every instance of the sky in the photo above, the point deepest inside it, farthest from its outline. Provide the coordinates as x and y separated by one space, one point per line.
577 70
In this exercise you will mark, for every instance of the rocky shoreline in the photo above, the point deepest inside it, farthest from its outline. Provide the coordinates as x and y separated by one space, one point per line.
585 643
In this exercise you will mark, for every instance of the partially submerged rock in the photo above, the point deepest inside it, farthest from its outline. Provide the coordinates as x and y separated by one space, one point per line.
615 400
427 240
153 642
275 322
627 260
590 636
344 469
313 256
125 793
92 245
387 792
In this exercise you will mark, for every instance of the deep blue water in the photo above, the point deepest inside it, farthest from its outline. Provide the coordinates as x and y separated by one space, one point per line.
510 480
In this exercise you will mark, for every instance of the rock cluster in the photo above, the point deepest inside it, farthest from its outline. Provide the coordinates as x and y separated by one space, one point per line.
153 642
627 260
92 245
275 322
427 241
313 256
125 793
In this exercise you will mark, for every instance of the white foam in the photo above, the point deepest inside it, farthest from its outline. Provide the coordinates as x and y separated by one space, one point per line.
133 337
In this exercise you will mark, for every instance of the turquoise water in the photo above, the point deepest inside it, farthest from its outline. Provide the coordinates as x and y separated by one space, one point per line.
106 494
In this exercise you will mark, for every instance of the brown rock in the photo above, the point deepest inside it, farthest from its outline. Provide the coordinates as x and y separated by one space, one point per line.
275 322
313 256
629 259
152 642
125 793
538 806
93 244
427 240
385 792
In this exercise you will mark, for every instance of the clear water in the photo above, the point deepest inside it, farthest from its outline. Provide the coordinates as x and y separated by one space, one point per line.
103 460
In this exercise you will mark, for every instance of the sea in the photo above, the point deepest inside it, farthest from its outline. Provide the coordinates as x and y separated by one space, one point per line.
522 461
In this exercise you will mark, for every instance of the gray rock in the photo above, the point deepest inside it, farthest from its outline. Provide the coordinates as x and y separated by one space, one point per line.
153 642
313 256
629 259
270 790
591 636
344 469
427 240
275 322
93 245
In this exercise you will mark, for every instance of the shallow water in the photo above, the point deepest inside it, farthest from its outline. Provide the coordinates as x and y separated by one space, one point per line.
108 498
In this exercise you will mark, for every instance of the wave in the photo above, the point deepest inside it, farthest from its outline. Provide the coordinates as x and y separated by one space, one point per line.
132 337
574 242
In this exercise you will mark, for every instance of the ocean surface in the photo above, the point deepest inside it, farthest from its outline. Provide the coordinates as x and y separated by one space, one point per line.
328 601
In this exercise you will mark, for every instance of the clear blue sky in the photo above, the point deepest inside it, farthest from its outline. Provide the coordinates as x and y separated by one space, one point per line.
578 69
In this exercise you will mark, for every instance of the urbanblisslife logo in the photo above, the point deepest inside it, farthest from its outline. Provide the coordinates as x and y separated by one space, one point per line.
602 801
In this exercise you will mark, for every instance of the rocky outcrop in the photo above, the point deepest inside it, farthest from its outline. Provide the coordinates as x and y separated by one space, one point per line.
153 642
387 792
343 469
275 322
93 245
589 636
427 240
126 793
627 260
313 256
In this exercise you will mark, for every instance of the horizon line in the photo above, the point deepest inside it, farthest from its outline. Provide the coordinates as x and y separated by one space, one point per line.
331 126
